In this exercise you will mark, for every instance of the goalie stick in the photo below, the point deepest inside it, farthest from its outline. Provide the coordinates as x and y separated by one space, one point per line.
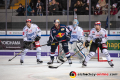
64 61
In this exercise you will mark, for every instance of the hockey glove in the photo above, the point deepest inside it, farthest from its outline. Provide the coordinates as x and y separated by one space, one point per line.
98 41
68 38
37 38
25 43
48 43
87 43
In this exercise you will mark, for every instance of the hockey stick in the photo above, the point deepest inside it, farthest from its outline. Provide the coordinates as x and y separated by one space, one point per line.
65 60
20 52
51 43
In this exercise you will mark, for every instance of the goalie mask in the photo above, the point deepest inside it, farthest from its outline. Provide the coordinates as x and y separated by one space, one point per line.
75 22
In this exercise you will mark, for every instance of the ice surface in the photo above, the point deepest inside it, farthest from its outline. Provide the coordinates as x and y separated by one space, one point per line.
30 70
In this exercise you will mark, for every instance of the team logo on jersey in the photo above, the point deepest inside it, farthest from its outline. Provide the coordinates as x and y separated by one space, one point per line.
54 31
74 32
93 31
72 74
60 35
30 31
62 29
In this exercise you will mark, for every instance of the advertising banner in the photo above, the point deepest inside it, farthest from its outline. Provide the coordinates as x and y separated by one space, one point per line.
11 44
113 44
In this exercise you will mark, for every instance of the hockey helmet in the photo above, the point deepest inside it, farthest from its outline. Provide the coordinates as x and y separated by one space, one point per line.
56 21
28 20
98 23
75 23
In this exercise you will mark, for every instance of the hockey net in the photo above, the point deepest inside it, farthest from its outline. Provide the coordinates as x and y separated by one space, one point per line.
98 56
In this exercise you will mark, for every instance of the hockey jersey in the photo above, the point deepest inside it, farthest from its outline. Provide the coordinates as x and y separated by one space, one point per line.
29 34
95 34
59 34
76 34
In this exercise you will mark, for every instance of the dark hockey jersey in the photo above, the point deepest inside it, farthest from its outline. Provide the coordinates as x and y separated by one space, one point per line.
59 34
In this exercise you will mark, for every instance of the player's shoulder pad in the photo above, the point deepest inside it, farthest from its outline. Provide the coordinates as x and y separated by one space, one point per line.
79 28
93 29
52 28
35 25
70 26
24 27
62 25
103 30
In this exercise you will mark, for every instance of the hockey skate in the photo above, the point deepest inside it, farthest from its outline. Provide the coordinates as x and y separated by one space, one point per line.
110 63
21 61
69 61
84 64
39 61
50 62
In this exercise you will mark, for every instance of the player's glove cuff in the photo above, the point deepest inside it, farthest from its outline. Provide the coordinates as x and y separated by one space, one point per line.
37 38
68 38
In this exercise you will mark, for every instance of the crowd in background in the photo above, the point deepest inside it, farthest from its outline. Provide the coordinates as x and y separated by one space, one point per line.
59 7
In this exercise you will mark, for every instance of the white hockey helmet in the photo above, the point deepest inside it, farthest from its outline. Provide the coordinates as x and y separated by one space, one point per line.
75 22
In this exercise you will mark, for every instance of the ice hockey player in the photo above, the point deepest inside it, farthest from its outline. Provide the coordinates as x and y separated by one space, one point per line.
59 32
99 37
31 32
76 41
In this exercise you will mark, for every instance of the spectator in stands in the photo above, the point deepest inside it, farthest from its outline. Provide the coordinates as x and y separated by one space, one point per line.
33 12
54 8
93 3
98 10
79 8
40 11
112 2
84 2
87 9
29 10
102 4
64 6
72 4
39 3
113 10
20 10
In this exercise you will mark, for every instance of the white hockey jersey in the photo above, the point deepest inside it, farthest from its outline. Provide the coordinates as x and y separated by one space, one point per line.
76 34
29 34
101 34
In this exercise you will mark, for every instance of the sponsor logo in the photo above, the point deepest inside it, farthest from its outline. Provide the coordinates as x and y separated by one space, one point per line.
54 31
74 32
62 29
93 32
72 74
113 44
10 42
30 31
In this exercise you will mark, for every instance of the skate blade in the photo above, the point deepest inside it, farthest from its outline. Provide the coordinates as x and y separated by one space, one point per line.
39 63
83 66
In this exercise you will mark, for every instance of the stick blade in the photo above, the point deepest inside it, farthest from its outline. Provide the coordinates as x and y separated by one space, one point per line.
9 60
52 67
